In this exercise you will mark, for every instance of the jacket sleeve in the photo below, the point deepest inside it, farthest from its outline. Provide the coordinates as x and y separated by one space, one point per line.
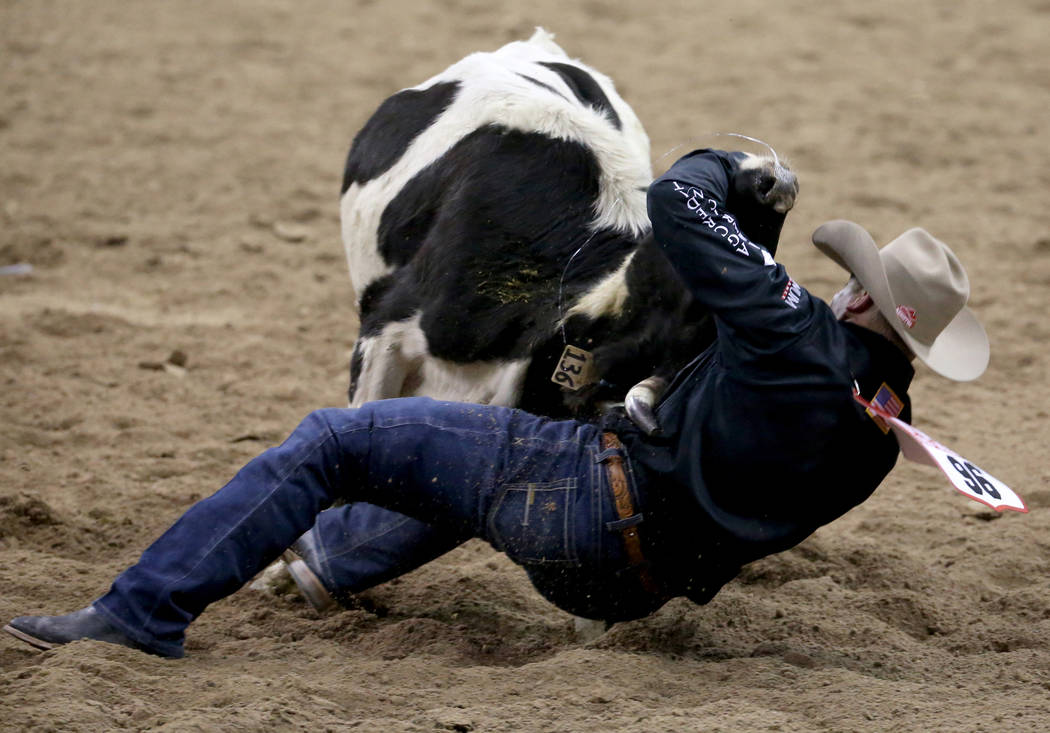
755 303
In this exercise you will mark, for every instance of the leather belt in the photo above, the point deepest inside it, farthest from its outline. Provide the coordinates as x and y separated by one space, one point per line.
625 509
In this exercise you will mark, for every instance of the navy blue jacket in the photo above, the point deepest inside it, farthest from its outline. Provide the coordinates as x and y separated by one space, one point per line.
762 441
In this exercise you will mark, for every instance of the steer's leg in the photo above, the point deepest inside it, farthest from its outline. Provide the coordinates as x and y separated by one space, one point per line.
386 363
383 370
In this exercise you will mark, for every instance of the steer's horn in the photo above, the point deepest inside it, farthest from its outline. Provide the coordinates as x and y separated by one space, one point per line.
640 402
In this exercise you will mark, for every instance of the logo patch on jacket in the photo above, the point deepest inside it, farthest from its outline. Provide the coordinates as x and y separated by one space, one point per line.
887 401
907 315
792 293
721 223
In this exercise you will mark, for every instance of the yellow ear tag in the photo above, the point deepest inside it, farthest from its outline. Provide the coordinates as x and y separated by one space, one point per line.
575 369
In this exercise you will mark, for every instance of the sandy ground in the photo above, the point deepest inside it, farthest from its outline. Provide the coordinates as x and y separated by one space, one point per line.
171 171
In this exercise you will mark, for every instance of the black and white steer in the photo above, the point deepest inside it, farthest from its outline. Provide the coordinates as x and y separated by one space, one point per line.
495 214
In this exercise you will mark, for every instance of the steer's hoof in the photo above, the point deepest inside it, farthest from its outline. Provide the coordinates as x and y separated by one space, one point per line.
586 630
275 580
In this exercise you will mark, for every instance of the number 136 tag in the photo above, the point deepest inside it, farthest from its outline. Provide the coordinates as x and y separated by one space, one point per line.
965 477
575 368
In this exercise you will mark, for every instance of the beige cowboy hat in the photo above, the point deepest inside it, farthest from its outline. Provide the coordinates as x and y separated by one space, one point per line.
921 288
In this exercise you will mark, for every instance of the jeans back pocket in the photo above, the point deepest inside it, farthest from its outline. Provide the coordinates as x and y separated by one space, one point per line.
533 522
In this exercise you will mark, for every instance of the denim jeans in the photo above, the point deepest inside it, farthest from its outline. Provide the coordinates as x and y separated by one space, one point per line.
357 546
533 487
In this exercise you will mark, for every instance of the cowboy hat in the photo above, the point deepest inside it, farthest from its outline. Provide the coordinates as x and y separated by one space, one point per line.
919 286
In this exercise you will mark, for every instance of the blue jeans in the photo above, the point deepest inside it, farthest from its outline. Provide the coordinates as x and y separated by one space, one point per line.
354 547
533 487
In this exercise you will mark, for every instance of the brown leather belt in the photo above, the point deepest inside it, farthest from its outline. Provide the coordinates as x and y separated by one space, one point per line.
625 509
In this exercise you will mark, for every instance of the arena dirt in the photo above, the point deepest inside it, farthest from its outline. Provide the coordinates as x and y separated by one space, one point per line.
171 172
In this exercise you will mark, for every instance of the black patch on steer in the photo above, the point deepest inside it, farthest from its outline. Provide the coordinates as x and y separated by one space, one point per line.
375 294
481 238
585 88
393 127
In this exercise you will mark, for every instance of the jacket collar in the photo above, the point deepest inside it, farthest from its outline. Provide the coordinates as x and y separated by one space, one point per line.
874 359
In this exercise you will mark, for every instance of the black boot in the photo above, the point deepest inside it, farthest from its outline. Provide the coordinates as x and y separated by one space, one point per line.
47 632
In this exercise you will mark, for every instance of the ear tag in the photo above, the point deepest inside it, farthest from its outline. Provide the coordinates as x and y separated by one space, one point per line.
575 369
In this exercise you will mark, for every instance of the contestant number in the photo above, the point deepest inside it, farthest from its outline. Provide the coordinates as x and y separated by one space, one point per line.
974 478
575 368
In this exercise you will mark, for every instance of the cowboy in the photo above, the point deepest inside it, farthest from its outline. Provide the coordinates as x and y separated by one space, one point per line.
760 441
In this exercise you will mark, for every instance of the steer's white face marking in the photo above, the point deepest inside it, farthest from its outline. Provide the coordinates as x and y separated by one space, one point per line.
607 297
493 91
